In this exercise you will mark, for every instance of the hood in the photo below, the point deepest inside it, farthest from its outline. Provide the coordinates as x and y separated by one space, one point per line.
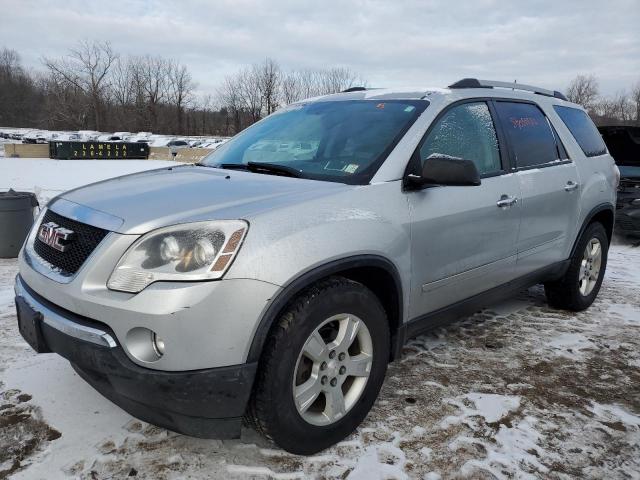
140 202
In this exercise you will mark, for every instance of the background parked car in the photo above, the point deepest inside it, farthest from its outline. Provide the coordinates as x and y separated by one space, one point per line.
623 143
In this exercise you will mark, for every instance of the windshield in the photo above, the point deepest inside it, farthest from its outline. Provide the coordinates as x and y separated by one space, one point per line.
339 141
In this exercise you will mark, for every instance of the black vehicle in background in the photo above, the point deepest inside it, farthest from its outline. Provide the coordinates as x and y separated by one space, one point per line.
623 143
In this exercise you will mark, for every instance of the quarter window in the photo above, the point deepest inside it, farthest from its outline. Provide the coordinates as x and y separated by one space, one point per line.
583 130
530 135
465 131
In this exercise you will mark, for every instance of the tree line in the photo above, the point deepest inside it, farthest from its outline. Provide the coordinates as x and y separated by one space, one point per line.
623 108
93 87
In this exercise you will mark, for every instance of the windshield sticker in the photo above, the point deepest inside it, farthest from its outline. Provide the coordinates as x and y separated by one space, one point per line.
410 108
351 168
380 105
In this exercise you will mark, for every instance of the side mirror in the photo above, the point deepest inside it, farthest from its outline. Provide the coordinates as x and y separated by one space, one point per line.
445 170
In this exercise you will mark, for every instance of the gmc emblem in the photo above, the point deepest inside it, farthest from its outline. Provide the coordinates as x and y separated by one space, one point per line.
55 236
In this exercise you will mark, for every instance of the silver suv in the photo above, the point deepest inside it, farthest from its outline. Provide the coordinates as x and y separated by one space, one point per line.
276 280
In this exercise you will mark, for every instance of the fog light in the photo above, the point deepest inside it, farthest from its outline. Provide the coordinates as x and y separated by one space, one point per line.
144 344
158 344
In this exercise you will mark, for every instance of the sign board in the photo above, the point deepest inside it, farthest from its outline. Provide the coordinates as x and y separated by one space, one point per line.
98 150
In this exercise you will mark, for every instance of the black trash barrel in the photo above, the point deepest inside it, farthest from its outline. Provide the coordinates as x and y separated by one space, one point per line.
16 218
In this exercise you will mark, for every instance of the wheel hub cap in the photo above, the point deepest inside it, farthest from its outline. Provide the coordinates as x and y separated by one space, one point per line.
332 369
590 267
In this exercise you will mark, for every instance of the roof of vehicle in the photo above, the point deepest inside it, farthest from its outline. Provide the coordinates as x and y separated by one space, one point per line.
466 88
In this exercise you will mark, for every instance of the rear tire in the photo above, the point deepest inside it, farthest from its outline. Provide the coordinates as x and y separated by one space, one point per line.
579 286
334 311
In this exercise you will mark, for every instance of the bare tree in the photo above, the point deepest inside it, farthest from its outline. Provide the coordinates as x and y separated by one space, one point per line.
123 82
300 84
20 95
337 79
86 68
290 88
622 107
249 80
92 87
154 79
269 80
583 90
9 61
231 101
635 98
180 90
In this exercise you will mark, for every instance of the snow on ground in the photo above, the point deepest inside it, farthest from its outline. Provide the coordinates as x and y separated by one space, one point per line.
517 390
48 178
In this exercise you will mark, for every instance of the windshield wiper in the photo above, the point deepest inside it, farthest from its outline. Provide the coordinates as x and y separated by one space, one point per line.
274 168
232 166
259 167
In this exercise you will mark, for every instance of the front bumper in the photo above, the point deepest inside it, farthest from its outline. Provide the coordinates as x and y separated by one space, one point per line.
207 403
203 324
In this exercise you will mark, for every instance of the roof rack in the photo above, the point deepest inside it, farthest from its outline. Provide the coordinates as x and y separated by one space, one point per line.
475 83
353 89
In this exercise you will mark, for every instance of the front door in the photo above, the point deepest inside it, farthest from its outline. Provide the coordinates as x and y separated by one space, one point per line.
463 239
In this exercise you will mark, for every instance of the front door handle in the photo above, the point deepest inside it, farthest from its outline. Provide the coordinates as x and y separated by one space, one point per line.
571 186
506 201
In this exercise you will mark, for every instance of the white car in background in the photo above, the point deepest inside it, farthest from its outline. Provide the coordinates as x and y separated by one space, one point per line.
140 137
36 136
67 137
88 134
213 143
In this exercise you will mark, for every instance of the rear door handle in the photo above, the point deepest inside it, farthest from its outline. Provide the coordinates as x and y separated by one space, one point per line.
571 186
506 201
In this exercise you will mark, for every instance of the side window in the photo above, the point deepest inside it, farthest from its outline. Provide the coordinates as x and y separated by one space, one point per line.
583 130
465 131
529 132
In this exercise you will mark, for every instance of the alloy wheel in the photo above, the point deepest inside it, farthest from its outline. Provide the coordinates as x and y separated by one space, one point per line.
590 267
332 369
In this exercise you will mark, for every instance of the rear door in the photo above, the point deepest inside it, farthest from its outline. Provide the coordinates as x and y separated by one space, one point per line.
549 185
463 239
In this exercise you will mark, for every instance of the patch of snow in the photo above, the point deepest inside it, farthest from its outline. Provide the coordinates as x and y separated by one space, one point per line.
432 476
71 406
625 313
6 297
515 449
380 462
491 407
615 413
48 178
569 344
252 472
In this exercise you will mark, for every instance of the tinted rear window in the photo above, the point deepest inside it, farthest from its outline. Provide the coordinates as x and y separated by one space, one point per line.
530 135
583 130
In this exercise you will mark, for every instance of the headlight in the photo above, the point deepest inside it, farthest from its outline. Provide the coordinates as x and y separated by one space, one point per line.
187 252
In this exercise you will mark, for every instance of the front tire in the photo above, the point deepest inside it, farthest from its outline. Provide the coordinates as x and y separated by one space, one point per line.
580 285
322 368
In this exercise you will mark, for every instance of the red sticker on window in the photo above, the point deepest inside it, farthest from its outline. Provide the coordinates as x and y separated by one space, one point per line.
523 122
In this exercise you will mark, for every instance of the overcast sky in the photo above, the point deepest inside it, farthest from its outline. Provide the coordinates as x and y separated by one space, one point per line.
389 43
